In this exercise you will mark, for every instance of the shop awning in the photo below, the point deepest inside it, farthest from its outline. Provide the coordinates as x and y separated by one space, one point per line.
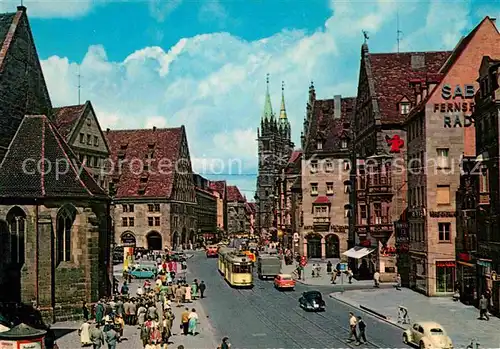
358 252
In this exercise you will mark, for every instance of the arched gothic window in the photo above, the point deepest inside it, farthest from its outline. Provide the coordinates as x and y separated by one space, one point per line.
65 219
16 220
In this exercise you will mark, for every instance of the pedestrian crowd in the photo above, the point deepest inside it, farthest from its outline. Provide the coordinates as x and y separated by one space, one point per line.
150 309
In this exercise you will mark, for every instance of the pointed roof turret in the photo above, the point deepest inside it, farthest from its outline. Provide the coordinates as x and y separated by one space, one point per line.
283 117
268 109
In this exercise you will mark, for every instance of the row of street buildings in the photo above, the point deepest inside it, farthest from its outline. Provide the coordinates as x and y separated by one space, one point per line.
70 192
401 178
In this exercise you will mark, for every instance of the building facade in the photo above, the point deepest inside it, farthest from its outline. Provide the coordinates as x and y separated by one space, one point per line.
237 222
54 224
155 196
325 176
287 209
441 134
383 102
250 215
79 126
274 150
205 210
484 245
220 191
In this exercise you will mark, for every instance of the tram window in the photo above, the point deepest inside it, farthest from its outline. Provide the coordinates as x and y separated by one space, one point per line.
241 268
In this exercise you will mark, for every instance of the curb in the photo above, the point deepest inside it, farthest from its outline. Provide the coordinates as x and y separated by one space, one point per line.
345 288
369 311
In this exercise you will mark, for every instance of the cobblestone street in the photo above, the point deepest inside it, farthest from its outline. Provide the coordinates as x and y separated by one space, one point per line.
460 321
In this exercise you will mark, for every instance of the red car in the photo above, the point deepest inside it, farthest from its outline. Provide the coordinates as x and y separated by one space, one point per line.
211 251
284 281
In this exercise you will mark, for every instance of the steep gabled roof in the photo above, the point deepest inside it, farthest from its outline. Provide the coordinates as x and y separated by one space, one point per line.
294 163
220 187
60 174
133 146
392 73
324 126
251 206
66 118
234 194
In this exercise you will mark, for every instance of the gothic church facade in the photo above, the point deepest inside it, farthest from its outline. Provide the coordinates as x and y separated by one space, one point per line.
274 149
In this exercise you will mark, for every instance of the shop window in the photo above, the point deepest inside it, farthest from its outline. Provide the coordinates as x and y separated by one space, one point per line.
443 195
443 159
444 277
444 232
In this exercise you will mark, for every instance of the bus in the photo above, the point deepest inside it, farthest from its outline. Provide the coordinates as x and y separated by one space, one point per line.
236 268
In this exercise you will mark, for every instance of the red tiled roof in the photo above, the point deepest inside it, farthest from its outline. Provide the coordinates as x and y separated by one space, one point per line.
220 187
295 155
251 207
66 118
321 200
392 73
134 145
38 140
327 128
234 194
294 163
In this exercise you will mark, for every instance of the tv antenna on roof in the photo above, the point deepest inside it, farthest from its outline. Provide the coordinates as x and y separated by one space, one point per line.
79 85
398 32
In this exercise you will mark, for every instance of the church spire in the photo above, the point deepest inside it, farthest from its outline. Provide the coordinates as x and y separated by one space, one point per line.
268 109
283 109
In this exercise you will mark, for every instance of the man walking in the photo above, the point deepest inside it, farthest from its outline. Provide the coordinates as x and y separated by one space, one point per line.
362 328
202 289
352 325
185 321
97 336
483 309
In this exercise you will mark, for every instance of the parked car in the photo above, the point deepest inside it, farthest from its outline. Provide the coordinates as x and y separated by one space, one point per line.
143 272
284 282
312 301
427 335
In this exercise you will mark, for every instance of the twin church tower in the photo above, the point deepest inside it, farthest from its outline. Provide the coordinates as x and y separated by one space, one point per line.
274 149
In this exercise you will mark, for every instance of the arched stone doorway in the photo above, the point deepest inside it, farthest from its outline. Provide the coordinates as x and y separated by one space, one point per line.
154 241
175 240
332 246
313 245
183 236
128 239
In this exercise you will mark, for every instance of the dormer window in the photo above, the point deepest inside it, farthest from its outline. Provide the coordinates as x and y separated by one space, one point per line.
404 108
319 144
343 144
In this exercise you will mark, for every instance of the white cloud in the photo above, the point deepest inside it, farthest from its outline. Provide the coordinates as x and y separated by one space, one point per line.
51 8
214 84
213 11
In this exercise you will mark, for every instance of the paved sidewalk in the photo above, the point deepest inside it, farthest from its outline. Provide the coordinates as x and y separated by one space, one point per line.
460 321
342 283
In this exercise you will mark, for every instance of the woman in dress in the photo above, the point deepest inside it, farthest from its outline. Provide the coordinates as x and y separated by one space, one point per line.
194 290
193 322
187 297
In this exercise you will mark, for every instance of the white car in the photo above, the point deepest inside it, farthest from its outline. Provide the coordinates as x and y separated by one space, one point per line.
427 335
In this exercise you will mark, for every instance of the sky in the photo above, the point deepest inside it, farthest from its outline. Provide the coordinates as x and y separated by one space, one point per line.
203 63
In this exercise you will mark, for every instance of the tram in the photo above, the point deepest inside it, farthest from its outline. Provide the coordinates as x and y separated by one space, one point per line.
235 267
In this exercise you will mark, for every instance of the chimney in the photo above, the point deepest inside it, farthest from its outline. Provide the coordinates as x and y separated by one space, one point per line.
494 20
107 130
154 128
417 61
337 111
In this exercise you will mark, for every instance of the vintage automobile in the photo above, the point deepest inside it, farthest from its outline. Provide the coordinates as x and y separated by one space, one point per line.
211 251
284 281
143 272
312 301
427 335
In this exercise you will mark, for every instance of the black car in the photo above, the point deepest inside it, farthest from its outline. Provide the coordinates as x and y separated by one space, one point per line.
312 301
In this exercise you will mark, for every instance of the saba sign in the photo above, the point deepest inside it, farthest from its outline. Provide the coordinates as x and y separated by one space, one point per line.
457 100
